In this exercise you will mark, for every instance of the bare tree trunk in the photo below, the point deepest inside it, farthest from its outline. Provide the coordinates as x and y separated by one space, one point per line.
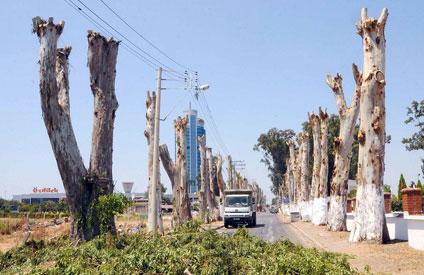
148 133
221 185
203 196
180 126
304 178
315 124
342 150
320 201
291 172
230 183
173 175
82 187
369 222
212 201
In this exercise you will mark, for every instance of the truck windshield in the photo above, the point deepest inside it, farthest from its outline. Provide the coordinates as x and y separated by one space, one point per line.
237 201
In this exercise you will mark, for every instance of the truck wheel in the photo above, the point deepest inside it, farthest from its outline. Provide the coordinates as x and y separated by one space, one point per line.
254 219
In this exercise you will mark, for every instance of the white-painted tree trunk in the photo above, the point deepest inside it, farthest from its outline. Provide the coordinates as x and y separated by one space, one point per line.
304 176
369 221
316 200
320 202
293 175
342 149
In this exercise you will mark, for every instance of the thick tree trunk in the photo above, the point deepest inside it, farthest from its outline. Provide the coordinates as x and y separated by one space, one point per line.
342 150
230 184
320 201
369 222
293 173
316 200
173 175
212 200
148 133
180 127
304 176
221 185
82 187
203 196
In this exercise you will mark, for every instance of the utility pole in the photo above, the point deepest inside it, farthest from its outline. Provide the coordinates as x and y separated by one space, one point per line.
152 217
230 173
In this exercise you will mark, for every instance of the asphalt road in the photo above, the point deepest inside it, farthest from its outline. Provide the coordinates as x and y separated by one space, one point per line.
270 227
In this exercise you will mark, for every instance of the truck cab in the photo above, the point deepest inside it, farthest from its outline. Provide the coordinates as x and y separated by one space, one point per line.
239 207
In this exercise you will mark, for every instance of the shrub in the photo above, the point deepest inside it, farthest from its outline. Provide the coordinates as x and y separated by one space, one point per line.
189 247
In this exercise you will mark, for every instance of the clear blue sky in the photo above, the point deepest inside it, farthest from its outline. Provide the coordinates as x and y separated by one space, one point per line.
265 61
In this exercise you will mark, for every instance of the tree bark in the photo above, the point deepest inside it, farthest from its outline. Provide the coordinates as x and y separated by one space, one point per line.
212 200
82 187
342 149
148 133
230 184
316 137
320 201
173 175
292 176
180 127
304 206
203 195
221 185
369 221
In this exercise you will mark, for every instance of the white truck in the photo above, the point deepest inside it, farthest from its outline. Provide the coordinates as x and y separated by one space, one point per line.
239 207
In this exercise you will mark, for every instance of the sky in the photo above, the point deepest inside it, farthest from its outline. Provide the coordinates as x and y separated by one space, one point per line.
265 62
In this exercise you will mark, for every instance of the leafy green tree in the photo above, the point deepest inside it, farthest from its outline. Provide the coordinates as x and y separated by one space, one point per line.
415 114
387 188
420 185
401 185
275 153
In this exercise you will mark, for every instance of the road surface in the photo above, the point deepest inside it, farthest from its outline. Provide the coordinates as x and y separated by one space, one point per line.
270 227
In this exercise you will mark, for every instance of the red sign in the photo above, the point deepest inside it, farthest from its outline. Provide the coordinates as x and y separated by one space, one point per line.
44 190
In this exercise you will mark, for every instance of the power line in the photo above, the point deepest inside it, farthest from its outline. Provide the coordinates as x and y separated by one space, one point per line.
126 47
123 37
143 37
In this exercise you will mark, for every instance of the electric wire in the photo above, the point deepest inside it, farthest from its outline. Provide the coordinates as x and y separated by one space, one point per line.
124 37
143 37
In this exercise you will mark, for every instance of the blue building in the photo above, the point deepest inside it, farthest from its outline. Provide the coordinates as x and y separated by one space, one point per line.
195 128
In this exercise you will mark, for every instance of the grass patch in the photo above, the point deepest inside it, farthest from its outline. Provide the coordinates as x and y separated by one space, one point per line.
189 248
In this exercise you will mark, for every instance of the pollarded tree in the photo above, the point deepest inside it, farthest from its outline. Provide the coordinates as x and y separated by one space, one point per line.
316 168
304 206
369 221
83 186
149 133
294 175
221 183
342 149
204 181
213 209
178 173
320 206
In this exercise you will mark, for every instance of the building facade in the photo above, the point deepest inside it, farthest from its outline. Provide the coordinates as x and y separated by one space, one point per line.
194 129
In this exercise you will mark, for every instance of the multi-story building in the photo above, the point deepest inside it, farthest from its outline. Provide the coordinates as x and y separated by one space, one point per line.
195 128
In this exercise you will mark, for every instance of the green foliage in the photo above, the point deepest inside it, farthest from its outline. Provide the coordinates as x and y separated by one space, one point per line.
189 247
401 185
107 206
415 114
273 145
352 194
420 185
387 188
396 203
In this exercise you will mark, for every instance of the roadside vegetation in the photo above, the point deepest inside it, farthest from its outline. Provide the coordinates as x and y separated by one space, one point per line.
189 248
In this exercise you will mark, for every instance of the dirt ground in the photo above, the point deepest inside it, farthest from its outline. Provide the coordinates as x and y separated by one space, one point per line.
47 229
393 258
